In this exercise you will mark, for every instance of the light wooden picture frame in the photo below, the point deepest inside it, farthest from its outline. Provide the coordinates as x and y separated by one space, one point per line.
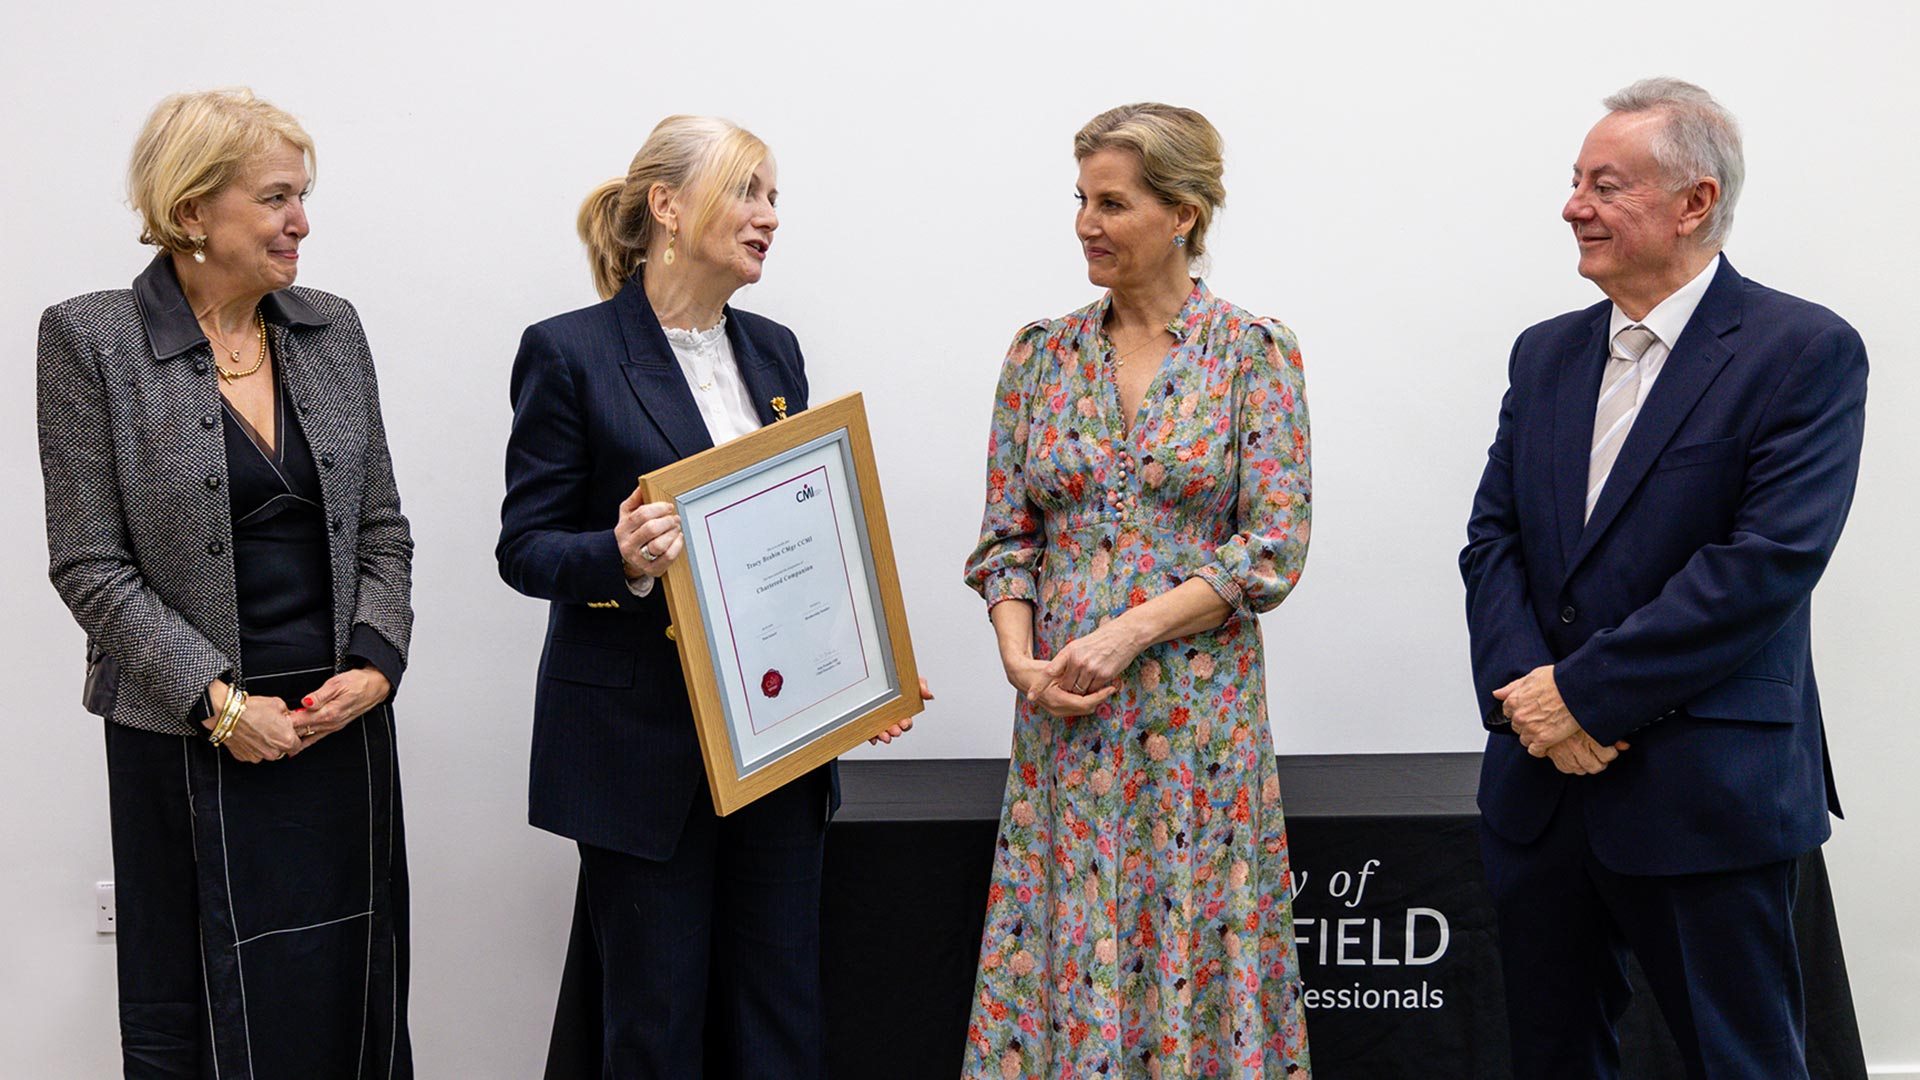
809 591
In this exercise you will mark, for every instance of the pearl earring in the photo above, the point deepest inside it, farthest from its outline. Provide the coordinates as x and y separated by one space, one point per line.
199 248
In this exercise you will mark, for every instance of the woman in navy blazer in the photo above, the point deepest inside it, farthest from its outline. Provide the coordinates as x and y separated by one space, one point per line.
706 928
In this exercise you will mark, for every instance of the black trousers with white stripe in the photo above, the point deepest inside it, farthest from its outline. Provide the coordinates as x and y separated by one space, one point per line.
261 909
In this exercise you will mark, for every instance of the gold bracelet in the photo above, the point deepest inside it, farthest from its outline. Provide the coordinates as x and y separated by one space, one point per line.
237 705
213 731
216 736
229 715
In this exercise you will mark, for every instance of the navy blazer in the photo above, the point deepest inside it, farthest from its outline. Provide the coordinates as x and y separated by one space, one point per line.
1677 617
598 399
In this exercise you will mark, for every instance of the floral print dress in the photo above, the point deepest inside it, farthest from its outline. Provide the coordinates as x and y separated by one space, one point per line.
1138 921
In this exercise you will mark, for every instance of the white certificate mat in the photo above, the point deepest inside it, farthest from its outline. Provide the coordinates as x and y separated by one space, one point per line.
797 636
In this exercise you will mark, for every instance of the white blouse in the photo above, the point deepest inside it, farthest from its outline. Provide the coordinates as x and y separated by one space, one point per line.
706 359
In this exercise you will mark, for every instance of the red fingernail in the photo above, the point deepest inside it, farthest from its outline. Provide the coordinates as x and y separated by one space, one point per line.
307 701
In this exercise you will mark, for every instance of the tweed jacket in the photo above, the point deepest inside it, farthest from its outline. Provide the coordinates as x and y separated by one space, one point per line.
139 526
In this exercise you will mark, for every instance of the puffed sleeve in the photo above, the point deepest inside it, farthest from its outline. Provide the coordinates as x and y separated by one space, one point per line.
1258 565
1005 563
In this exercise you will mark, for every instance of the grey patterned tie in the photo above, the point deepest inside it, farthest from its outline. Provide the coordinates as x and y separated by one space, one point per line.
1619 403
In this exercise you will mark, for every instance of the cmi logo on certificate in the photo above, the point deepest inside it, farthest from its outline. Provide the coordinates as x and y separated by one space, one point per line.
797 639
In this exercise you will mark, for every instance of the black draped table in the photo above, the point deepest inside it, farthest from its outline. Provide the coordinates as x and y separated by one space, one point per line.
1394 926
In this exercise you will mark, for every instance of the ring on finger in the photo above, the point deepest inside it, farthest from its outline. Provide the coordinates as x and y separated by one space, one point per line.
646 552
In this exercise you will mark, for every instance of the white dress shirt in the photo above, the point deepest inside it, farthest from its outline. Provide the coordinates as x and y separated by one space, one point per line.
1667 319
707 361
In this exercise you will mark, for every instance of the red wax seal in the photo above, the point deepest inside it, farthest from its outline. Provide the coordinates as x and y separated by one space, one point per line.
771 682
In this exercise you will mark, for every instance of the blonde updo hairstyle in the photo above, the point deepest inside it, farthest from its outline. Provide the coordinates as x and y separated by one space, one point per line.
192 146
1179 153
697 155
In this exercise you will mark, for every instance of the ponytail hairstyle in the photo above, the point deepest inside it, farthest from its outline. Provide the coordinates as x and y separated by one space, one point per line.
701 156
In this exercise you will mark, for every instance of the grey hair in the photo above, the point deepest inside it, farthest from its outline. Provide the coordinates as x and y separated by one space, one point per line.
1699 138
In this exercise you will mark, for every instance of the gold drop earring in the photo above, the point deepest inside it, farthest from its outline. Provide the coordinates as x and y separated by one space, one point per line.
199 248
666 257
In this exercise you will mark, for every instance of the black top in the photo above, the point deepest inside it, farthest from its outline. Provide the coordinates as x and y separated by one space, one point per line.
279 545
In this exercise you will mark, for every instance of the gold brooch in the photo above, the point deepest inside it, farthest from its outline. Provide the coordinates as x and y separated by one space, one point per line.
779 408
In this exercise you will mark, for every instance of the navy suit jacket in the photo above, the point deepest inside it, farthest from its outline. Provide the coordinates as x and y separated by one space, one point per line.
1677 617
598 399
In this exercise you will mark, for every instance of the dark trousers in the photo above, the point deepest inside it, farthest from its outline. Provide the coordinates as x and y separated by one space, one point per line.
164 1031
1717 948
710 960
262 909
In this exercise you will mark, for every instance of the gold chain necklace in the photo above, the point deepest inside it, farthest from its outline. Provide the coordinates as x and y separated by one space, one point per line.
1120 358
259 360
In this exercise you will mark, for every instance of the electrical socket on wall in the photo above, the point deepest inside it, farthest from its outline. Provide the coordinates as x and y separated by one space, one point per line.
103 907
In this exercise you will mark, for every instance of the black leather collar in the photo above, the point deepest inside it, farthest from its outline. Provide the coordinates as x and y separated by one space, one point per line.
169 322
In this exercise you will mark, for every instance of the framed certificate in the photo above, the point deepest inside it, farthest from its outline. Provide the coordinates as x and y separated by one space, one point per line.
786 600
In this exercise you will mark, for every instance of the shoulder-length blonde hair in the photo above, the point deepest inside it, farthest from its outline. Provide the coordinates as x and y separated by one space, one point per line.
195 144
702 155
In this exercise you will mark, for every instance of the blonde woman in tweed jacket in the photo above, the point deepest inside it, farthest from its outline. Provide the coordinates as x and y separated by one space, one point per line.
223 522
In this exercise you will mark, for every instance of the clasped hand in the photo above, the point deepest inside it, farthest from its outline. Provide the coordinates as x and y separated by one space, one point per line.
1081 676
263 731
338 702
1546 727
267 730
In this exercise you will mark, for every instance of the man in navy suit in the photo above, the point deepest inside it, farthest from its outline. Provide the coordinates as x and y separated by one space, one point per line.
1671 472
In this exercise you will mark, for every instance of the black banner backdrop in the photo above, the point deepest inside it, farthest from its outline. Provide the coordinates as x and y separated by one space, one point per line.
1396 939
1392 920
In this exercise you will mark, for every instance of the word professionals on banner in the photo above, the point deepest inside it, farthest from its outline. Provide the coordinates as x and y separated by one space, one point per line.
1359 934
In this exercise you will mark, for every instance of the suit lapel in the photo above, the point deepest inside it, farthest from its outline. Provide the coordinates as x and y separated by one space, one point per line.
1692 366
763 378
655 376
1577 393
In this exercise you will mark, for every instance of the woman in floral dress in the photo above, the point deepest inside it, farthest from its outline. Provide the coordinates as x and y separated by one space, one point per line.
1147 497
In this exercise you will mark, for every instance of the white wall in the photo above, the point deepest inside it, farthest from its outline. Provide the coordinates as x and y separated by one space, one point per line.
1395 175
